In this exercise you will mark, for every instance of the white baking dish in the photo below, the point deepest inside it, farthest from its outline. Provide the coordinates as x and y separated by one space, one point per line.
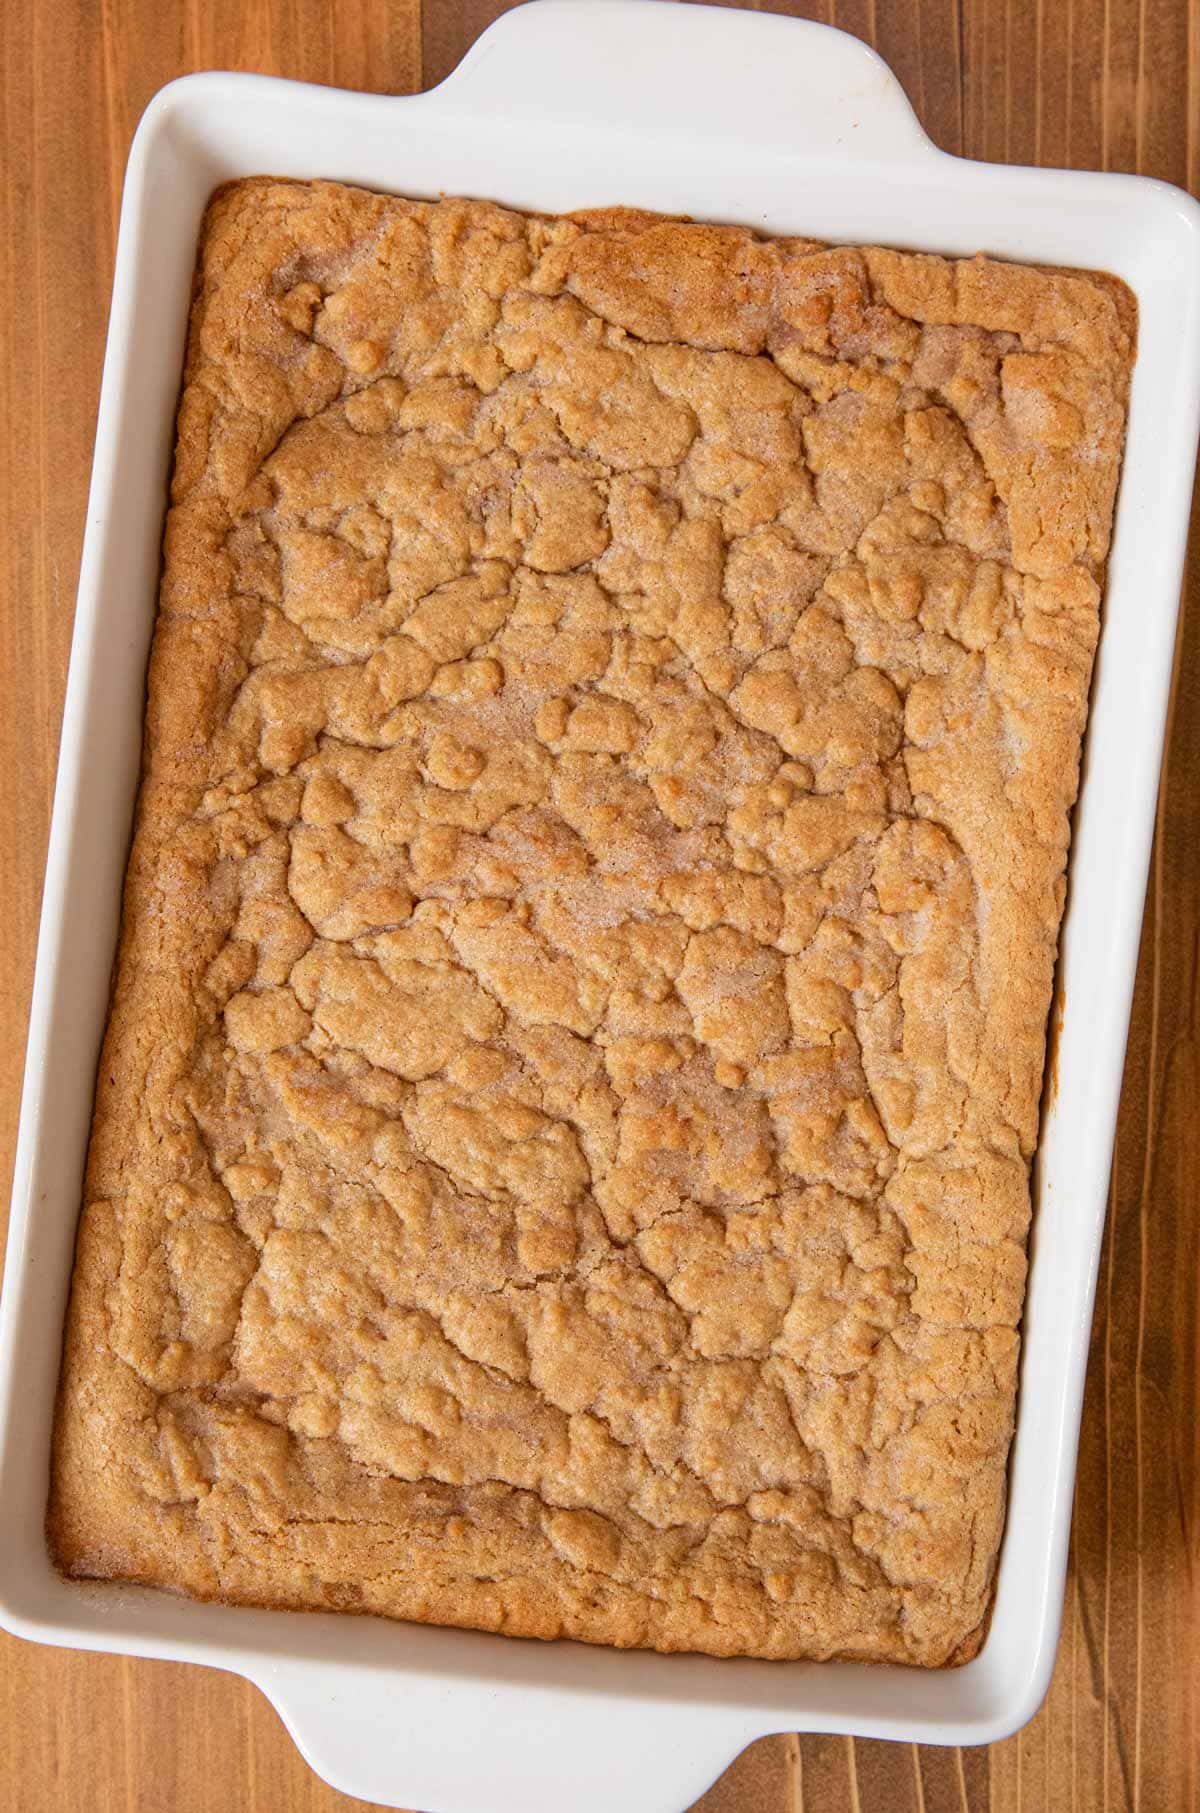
732 116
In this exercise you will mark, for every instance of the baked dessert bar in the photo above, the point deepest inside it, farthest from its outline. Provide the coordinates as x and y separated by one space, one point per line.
561 1148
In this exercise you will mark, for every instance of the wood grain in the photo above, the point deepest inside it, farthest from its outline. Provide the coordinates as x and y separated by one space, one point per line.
1107 83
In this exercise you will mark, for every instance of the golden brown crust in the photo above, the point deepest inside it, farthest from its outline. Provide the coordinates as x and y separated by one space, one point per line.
560 1161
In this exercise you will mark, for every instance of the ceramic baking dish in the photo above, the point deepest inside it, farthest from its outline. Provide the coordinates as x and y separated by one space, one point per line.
735 117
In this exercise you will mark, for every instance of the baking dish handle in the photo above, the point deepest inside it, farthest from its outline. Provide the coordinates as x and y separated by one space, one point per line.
652 64
401 1741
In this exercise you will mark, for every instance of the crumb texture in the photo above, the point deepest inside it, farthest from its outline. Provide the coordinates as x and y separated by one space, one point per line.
561 1150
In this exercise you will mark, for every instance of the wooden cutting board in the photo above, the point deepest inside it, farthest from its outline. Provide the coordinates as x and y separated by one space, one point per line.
1109 84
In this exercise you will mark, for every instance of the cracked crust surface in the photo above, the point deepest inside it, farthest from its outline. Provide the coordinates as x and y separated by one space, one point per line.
560 1160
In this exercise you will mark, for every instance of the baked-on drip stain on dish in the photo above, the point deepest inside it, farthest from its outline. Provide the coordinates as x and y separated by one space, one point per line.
561 1151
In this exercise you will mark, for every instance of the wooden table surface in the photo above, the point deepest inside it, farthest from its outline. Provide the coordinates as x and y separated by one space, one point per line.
1106 84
